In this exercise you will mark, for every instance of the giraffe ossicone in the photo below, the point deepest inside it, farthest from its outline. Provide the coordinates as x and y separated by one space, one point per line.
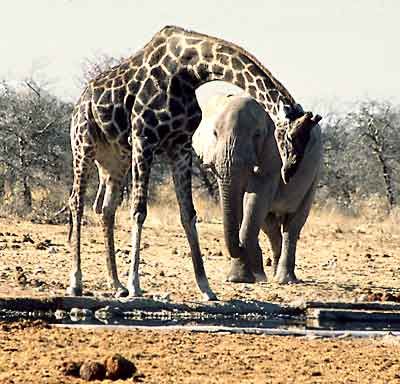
147 105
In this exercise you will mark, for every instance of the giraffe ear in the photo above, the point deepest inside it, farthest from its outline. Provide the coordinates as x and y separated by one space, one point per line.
317 119
303 125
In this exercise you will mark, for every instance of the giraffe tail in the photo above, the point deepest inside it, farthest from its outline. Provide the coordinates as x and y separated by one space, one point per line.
70 221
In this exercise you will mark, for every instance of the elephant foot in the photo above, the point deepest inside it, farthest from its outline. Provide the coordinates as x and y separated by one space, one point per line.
258 272
284 277
74 291
260 276
240 273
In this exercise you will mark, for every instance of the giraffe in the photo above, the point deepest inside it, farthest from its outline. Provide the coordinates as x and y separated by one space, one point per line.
147 105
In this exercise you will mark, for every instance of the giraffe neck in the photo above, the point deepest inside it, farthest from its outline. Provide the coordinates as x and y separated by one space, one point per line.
203 58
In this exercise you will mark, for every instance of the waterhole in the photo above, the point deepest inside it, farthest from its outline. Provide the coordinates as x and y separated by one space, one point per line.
323 319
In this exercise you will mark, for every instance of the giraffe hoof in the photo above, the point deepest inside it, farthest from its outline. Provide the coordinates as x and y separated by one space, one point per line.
210 296
74 291
122 292
135 293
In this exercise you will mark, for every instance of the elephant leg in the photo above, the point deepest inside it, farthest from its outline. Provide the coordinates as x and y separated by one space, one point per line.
272 228
291 228
253 254
257 204
285 270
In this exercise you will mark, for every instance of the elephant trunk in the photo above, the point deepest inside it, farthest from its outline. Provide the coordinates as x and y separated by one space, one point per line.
231 194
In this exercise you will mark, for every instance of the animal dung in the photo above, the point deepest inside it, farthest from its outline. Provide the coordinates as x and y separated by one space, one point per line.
115 367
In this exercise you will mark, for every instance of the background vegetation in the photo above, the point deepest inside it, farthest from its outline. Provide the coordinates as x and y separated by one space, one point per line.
361 156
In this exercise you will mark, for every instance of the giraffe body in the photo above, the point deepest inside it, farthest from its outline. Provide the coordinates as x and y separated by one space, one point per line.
147 105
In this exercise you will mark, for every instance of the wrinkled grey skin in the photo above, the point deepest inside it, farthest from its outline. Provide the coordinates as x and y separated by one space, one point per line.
236 140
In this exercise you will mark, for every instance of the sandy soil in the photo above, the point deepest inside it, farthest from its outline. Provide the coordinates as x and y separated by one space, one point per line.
35 355
338 260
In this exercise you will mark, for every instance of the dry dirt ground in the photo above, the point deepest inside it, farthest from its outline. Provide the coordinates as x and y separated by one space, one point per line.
338 259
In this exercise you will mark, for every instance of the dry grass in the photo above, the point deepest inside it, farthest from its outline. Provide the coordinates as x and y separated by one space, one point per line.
164 211
364 213
45 202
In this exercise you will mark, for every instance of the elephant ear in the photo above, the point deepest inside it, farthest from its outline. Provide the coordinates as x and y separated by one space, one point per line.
204 141
265 127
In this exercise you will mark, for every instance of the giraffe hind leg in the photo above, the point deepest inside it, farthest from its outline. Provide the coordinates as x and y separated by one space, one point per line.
82 163
107 201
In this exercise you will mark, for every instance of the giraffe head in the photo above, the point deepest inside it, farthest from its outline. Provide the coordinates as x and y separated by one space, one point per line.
293 133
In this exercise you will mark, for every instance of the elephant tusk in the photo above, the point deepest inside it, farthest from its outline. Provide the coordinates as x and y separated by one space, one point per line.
284 176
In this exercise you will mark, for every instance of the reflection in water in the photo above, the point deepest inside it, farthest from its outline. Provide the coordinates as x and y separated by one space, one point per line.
115 317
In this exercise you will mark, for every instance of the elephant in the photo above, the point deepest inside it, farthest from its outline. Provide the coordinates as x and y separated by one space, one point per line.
236 141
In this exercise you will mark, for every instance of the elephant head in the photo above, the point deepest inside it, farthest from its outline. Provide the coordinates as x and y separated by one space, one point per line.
232 135
231 141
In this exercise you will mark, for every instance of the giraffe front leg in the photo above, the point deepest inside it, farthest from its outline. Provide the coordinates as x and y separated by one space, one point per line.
133 285
182 176
141 166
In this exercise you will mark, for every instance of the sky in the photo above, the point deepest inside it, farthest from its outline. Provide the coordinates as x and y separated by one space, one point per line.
324 52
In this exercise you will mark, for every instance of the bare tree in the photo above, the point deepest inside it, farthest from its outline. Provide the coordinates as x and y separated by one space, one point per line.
34 130
378 125
91 67
337 177
360 152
